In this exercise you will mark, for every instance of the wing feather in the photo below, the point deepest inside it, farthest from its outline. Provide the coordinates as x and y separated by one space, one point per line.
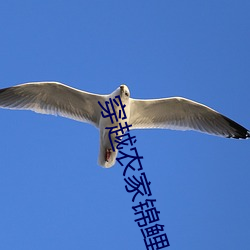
182 114
53 98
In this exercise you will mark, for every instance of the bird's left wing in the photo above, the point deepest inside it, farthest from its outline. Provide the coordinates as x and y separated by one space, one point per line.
182 114
53 98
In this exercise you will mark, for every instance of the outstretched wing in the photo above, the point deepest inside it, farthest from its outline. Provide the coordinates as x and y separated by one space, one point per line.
55 99
182 114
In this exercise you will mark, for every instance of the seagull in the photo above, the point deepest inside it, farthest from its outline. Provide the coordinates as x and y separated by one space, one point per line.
175 113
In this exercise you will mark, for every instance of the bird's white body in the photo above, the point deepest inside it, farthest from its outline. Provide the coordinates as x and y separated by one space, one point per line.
167 113
104 123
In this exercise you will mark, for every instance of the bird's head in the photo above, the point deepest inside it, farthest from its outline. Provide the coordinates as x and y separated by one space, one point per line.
124 92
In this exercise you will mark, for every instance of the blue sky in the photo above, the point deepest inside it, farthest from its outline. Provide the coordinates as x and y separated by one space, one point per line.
53 194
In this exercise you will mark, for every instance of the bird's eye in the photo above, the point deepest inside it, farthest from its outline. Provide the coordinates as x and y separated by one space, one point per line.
126 93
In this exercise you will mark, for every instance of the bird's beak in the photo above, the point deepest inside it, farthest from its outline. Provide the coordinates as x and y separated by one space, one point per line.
122 89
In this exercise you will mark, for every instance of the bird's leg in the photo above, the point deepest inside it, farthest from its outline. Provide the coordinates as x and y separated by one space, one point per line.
108 154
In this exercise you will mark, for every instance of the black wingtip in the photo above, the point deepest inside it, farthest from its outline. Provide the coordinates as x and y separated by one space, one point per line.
239 131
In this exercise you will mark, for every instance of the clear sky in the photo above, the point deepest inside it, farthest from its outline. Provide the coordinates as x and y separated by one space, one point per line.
53 194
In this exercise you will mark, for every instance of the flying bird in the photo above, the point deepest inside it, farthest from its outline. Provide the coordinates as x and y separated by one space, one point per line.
175 113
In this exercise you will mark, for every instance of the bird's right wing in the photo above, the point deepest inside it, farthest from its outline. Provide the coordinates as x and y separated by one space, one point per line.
53 98
182 114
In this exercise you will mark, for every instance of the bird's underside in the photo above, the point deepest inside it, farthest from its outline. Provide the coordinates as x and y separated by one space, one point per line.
167 113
